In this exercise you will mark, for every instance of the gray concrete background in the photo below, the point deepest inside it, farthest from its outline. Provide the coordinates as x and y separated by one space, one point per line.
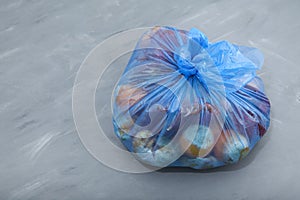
42 46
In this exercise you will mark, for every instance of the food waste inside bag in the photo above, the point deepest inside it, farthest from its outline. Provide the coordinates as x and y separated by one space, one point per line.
185 102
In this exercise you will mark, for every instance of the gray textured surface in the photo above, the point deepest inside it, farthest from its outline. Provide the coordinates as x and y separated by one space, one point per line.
42 46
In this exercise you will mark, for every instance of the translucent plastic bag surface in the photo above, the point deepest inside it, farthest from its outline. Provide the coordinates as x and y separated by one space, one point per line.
183 101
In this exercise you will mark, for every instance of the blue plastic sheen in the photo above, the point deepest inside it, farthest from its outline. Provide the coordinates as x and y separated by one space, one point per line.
177 83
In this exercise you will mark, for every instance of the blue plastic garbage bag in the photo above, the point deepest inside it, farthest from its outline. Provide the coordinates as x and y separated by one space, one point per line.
183 101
